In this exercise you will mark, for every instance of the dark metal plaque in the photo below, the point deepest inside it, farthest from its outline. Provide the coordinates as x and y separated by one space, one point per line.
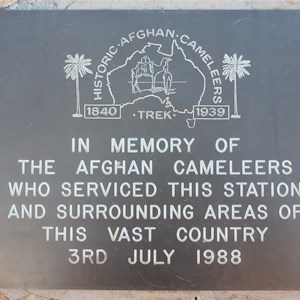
150 150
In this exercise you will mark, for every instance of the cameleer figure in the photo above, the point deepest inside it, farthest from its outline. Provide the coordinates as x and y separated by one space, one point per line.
167 78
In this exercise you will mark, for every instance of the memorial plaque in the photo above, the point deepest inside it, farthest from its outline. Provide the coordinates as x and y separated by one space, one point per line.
150 150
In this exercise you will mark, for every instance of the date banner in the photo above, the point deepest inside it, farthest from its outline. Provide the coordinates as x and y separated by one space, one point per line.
150 150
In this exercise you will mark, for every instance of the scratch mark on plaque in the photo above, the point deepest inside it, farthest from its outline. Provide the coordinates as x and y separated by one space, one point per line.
149 282
245 19
183 279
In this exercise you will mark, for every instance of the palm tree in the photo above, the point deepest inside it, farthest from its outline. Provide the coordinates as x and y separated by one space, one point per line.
77 66
235 67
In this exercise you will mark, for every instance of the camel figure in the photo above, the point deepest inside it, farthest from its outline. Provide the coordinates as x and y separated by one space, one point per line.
147 68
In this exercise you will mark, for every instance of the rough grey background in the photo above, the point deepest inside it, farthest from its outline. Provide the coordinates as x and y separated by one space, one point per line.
147 4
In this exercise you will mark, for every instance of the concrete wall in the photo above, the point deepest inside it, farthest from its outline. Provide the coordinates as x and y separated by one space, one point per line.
14 294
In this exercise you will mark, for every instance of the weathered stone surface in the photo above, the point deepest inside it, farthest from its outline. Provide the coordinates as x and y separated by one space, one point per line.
147 295
34 297
148 4
174 4
6 3
174 299
32 4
